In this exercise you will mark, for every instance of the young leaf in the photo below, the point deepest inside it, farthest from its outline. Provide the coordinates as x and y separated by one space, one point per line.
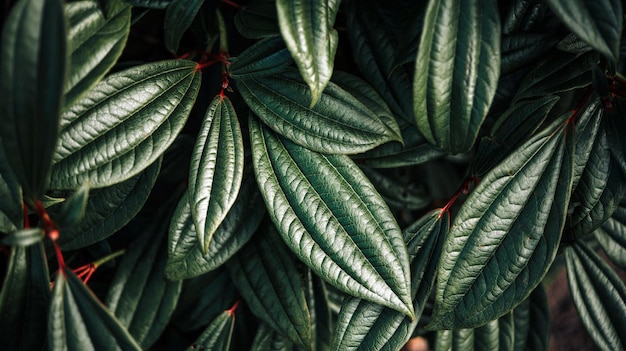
25 299
96 42
178 17
597 22
306 27
518 210
338 123
457 71
217 336
34 60
258 19
124 124
216 169
78 321
599 296
333 219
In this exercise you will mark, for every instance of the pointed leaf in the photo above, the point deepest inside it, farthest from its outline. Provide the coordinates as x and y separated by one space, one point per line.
612 236
266 276
33 66
518 210
258 19
96 42
216 169
306 27
25 299
333 219
78 321
178 17
264 58
599 296
23 237
457 71
217 335
339 122
105 144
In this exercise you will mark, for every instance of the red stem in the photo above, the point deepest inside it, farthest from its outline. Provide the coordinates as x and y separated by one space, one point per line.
232 3
464 189
232 310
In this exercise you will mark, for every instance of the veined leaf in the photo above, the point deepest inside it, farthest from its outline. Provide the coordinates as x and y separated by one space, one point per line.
599 296
25 299
519 50
150 4
258 19
597 22
96 42
411 196
306 27
139 295
109 209
31 89
266 276
178 17
333 219
457 71
518 210
11 206
264 58
186 259
452 340
267 339
78 321
124 124
523 16
531 321
217 336
216 169
612 236
338 123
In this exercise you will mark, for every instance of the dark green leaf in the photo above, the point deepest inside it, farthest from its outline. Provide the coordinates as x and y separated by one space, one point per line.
139 295
322 318
306 27
258 19
217 336
599 296
33 66
79 321
506 332
409 196
266 339
267 57
124 124
25 300
523 16
457 71
597 22
339 123
11 206
216 169
518 210
95 42
519 50
73 209
109 209
185 256
612 236
572 44
539 320
151 4
266 276
333 219
455 340
24 237
178 17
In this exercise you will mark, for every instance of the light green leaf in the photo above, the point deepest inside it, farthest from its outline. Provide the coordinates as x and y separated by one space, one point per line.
612 236
267 57
258 19
339 122
96 42
517 210
599 296
216 336
597 22
25 299
178 17
306 27
124 124
79 321
333 219
216 169
33 67
457 71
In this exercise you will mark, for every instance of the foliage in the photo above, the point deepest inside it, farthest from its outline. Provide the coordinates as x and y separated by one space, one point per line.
309 175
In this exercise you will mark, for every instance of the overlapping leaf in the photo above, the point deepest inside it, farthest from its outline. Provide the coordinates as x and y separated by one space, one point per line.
33 66
333 219
599 296
217 335
519 50
518 210
456 71
532 322
612 236
523 16
258 19
178 17
96 42
264 58
306 27
338 123
124 124
397 195
11 213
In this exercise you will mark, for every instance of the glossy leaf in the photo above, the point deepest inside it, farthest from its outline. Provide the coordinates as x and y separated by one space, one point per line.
258 19
78 321
333 219
186 259
306 27
612 236
267 57
150 4
109 209
105 144
25 299
339 123
599 296
520 50
523 16
456 71
139 295
216 169
517 210
23 237
31 89
178 18
597 22
96 42
217 335
266 276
